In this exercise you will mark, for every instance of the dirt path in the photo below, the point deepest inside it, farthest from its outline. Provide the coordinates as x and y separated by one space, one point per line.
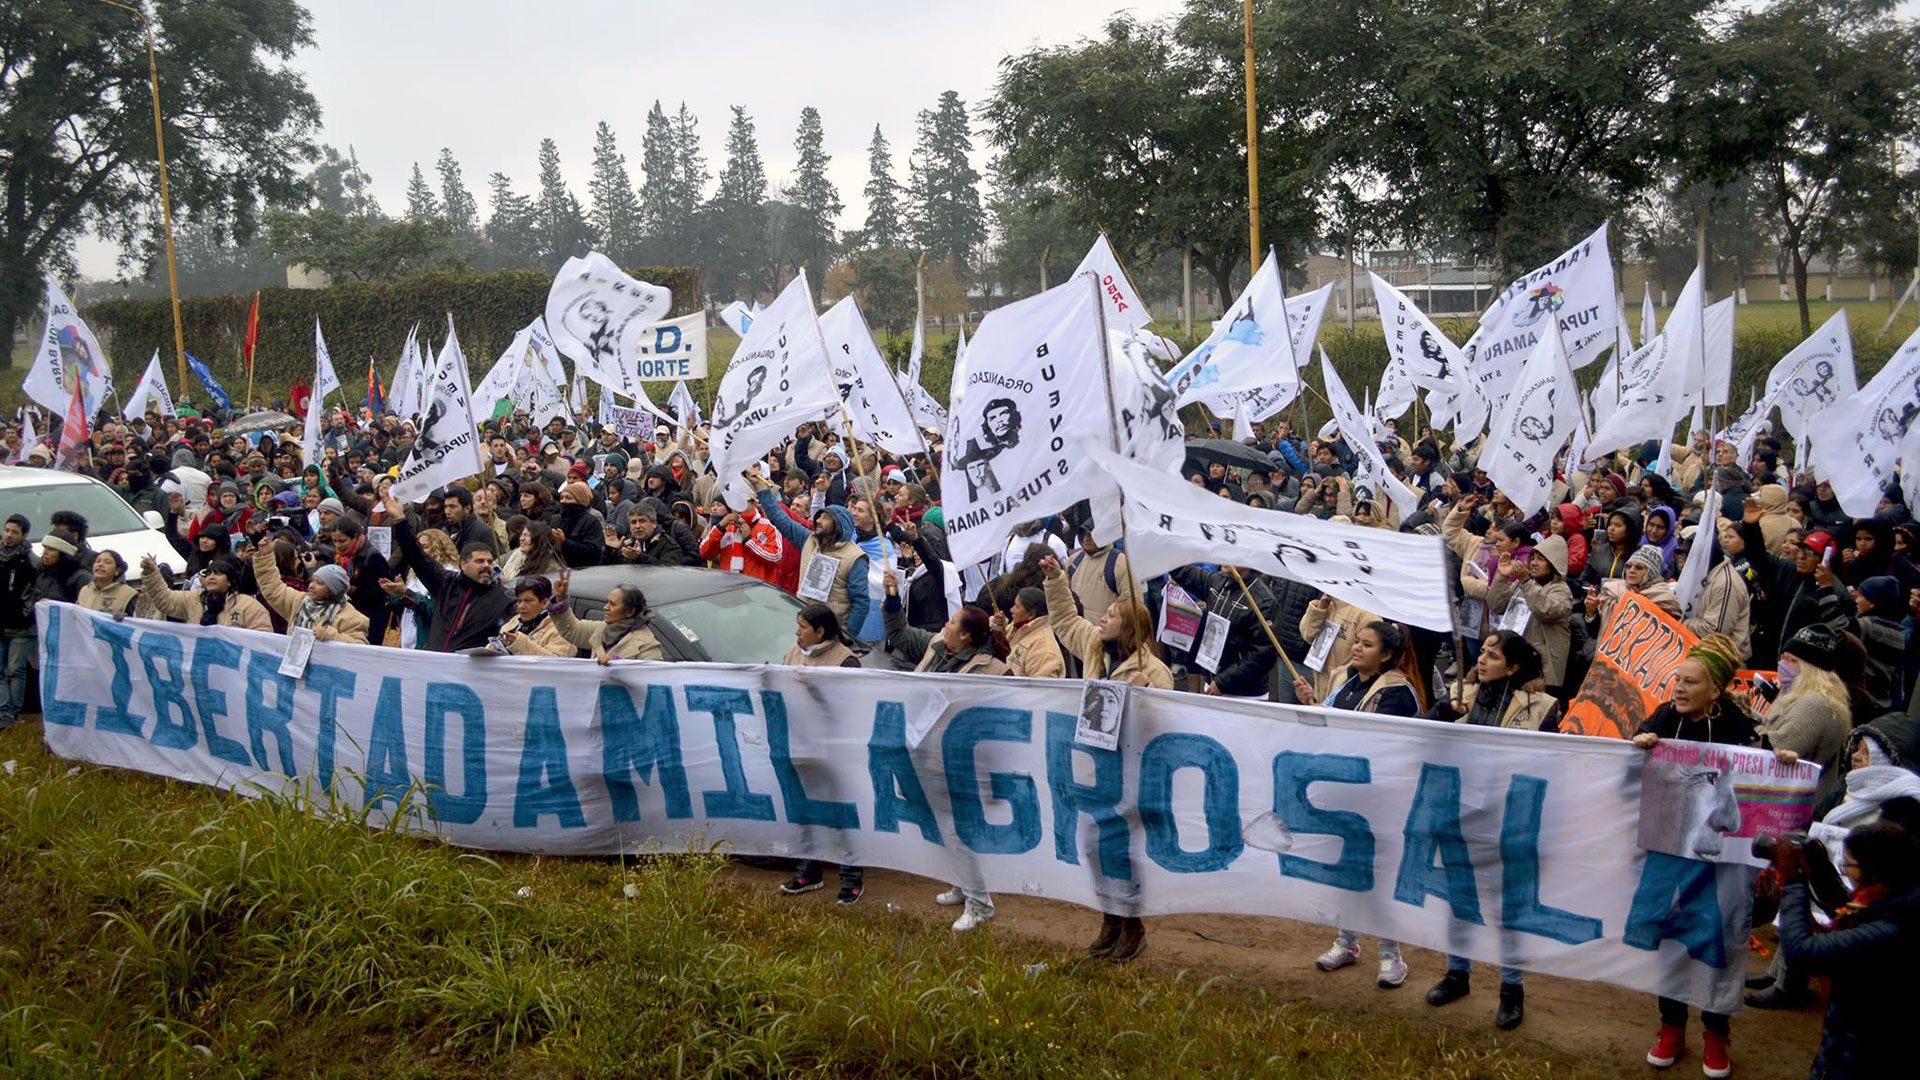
1600 1024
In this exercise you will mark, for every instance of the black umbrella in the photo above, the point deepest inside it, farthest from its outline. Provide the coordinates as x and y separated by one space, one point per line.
1226 452
253 423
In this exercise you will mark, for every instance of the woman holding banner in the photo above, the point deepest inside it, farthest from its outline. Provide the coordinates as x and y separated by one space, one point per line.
1699 711
1382 678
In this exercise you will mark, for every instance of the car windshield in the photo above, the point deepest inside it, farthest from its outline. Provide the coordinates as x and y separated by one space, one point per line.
106 512
753 625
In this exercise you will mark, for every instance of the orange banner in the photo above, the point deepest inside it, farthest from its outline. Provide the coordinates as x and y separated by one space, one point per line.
1633 663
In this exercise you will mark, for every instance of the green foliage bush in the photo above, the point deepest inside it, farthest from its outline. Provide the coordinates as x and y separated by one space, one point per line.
360 320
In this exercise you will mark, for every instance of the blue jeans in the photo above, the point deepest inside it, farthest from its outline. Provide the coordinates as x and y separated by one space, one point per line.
1508 976
1348 939
16 664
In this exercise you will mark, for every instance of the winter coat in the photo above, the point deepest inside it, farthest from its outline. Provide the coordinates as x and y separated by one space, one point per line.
189 605
637 643
1812 727
585 540
115 599
1247 659
1033 651
543 640
835 654
1529 708
927 651
465 612
1726 724
1725 605
1388 694
338 621
1082 639
1869 957
19 568
1349 619
1548 629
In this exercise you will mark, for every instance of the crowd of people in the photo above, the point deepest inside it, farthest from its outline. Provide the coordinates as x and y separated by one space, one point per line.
1795 586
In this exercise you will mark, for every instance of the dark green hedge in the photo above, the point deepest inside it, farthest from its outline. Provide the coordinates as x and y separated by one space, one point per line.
359 320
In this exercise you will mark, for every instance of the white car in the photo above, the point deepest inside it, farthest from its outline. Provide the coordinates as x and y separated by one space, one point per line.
112 525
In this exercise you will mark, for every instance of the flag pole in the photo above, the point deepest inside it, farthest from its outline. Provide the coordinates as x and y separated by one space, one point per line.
1272 638
1113 430
1253 147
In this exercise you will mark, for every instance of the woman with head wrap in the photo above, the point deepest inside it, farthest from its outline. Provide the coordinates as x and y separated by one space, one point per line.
1699 711
1663 532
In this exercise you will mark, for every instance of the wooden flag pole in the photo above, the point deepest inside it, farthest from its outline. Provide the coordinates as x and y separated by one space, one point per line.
1253 148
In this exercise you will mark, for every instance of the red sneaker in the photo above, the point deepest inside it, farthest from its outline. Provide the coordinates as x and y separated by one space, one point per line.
1668 1047
1715 1062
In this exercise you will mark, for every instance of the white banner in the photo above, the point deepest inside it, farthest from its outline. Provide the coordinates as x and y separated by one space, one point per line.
635 424
1478 841
779 377
1304 314
1535 423
447 447
1170 523
1653 380
598 317
1576 289
1429 358
874 403
1717 361
325 381
1817 375
1860 438
1371 478
1248 348
1125 311
674 349
1034 391
68 352
152 386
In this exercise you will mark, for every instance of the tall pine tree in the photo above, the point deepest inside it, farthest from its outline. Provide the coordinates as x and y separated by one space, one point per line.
811 236
660 221
736 229
512 231
560 224
689 187
884 228
948 220
616 212
456 202
421 205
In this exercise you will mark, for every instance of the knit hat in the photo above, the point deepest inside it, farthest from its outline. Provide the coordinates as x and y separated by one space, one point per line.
331 505
1719 655
1554 550
582 494
1816 643
1649 559
1883 593
333 577
61 541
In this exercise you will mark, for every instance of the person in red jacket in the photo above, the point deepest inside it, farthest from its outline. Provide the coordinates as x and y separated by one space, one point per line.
746 543
1570 521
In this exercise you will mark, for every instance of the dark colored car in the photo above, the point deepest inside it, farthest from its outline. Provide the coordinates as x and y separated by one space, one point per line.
701 614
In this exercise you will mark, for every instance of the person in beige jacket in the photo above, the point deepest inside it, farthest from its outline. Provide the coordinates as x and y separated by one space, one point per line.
108 592
623 635
1032 650
214 603
1349 619
530 632
1120 647
1542 585
1726 600
1642 576
819 640
322 608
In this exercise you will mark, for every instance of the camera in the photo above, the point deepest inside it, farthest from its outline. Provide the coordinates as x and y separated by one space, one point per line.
1764 846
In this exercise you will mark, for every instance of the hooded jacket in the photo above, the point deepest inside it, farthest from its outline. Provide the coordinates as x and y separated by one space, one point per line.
1775 522
1552 605
1604 560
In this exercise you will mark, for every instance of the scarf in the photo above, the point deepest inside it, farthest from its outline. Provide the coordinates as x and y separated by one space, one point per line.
954 661
814 650
312 613
615 632
211 605
1868 788
1486 711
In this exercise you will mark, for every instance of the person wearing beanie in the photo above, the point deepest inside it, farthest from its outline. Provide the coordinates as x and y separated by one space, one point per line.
323 608
829 557
1813 712
1643 577
213 602
62 574
1698 711
578 529
1889 673
1546 615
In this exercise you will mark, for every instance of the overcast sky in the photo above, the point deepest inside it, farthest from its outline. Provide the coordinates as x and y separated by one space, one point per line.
490 78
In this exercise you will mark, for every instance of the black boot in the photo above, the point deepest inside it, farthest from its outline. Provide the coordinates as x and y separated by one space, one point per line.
1452 986
1133 940
1109 936
1513 1001
1780 996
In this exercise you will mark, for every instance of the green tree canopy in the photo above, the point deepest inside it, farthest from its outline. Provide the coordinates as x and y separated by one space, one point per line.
948 221
812 237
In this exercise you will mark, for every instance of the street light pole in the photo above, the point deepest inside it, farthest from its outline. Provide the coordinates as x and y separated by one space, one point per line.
166 200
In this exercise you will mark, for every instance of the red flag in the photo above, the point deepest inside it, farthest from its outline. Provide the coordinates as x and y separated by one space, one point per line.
73 431
253 333
298 398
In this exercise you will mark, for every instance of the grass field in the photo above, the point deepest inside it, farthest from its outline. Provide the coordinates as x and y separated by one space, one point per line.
156 929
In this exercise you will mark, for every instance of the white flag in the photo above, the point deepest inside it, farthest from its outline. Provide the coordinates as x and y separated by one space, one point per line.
1652 380
1576 289
502 377
1540 413
1249 347
873 401
1397 393
1817 375
403 388
779 377
325 380
68 352
1304 314
738 316
1649 321
1125 310
152 386
917 356
1860 438
1910 466
686 411
1699 553
673 349
1717 336
1034 399
597 315
1172 523
1428 357
447 449
29 438
1371 478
